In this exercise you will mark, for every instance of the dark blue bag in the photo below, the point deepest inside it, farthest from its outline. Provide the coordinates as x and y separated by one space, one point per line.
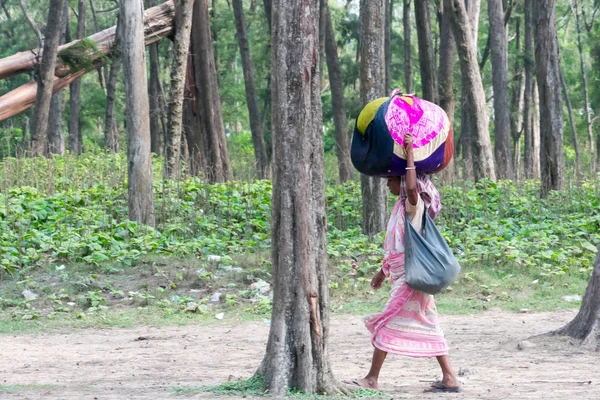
429 263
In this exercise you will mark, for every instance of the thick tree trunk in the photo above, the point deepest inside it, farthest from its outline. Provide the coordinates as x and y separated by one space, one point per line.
446 78
499 49
139 160
528 92
56 141
338 103
408 76
588 106
372 23
75 138
178 72
39 128
260 152
551 110
297 353
426 51
111 129
157 98
565 90
207 96
483 161
586 324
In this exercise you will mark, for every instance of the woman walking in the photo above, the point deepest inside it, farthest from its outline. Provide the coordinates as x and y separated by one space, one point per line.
408 325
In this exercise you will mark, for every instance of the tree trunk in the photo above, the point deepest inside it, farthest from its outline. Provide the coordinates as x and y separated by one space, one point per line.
184 10
536 132
389 20
102 72
446 78
565 90
426 53
297 353
157 98
586 324
408 78
31 21
516 104
551 110
56 141
528 92
499 50
588 106
338 103
483 161
139 160
260 152
45 79
111 129
207 95
372 23
75 138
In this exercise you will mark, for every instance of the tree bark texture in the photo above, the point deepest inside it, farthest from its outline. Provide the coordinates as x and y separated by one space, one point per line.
111 128
483 160
588 106
56 141
516 104
528 64
139 161
207 94
565 90
446 77
499 50
75 137
408 77
372 86
260 151
426 51
184 12
45 80
552 162
389 20
536 132
586 324
338 103
297 349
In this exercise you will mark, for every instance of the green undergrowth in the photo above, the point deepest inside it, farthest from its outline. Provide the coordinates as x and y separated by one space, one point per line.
255 387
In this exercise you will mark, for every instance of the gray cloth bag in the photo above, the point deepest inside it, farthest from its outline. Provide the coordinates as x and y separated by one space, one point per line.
429 263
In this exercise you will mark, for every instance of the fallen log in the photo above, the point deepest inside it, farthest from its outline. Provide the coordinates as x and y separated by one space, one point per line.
80 57
158 23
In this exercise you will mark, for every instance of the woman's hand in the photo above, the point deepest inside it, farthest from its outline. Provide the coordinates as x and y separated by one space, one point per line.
408 141
377 280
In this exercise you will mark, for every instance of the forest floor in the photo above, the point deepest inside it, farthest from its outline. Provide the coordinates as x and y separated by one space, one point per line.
179 361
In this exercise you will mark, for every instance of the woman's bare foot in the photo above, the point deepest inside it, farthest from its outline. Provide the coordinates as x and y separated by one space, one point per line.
367 383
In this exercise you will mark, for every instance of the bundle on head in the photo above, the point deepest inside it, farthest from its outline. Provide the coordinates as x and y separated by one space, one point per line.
378 142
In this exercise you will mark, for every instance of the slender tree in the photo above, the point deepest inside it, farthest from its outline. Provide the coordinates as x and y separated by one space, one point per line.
551 109
75 138
297 355
499 50
516 103
45 79
528 61
56 141
111 128
389 20
260 152
372 86
337 102
139 161
483 161
408 78
426 51
565 90
158 127
184 10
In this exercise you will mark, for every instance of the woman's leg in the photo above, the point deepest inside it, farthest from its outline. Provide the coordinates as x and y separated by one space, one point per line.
449 378
370 381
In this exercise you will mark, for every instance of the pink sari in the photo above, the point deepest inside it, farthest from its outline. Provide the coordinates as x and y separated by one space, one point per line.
408 325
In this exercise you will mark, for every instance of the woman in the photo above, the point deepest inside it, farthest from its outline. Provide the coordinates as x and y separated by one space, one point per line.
408 325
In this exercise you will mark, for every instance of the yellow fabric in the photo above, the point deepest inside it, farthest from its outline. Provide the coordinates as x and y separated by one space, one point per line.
368 114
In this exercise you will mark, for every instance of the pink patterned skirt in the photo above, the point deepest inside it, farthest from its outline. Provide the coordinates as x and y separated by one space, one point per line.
408 325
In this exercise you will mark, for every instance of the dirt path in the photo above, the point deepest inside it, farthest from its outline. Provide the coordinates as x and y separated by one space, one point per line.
111 364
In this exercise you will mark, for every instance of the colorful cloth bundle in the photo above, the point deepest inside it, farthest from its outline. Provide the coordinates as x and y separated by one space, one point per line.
378 142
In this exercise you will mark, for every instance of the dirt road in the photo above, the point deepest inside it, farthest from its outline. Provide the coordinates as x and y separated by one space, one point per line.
147 363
